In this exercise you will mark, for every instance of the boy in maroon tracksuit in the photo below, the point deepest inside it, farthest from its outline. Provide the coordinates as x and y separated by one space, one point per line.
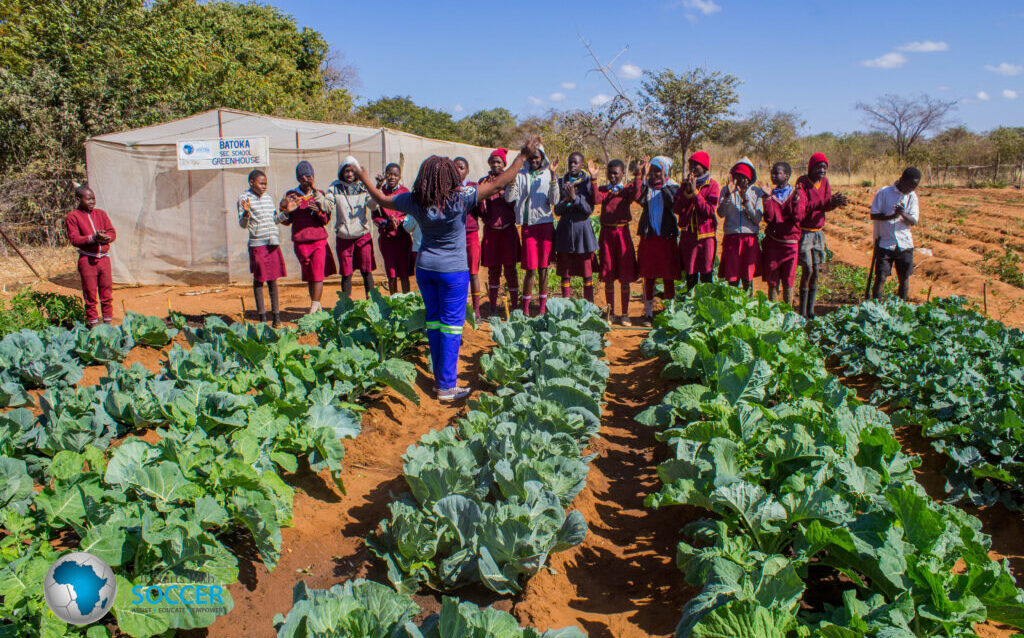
816 193
783 213
618 256
91 232
695 206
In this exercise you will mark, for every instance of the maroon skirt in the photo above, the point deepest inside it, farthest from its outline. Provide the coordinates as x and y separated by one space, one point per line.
397 254
779 262
355 254
618 257
575 265
500 247
658 258
316 260
697 256
473 250
266 263
741 257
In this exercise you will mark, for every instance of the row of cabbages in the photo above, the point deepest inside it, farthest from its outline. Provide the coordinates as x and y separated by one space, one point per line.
818 526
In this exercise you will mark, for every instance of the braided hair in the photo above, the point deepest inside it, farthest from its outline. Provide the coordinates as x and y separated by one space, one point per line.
437 180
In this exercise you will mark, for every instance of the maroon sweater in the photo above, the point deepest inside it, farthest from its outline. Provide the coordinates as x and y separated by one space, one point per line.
782 221
816 200
306 221
494 211
471 224
82 228
395 229
615 206
697 213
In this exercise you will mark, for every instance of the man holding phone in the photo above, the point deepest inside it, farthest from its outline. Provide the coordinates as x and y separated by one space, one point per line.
893 211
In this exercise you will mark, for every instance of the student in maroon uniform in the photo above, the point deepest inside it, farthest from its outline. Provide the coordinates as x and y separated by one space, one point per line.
534 194
818 199
783 212
740 209
695 206
472 241
90 231
394 240
304 209
500 249
658 254
618 256
258 214
575 243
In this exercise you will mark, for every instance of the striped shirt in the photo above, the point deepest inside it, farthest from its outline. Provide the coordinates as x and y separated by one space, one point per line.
262 222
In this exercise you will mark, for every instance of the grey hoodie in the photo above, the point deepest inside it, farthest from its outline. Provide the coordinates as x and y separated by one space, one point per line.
534 195
351 212
741 218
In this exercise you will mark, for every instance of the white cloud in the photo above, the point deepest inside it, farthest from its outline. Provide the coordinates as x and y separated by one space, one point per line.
982 96
536 101
568 86
943 88
692 18
600 99
458 108
1010 94
924 46
630 71
891 60
557 97
707 7
1005 68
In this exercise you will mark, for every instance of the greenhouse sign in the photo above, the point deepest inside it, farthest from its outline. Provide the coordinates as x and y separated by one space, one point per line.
236 152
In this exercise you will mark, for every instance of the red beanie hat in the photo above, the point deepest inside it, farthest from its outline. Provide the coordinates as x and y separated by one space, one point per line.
744 170
702 158
817 158
499 152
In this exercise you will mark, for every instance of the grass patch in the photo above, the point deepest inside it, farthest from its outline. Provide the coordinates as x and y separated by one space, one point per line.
36 310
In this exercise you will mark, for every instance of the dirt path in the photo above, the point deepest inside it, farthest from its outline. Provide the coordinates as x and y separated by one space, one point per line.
622 581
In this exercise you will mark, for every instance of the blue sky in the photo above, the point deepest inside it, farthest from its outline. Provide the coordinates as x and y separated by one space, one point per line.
816 58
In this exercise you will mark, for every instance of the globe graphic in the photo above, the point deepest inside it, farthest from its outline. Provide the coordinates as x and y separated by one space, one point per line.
80 588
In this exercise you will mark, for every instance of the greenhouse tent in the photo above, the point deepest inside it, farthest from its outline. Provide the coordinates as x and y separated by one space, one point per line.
181 226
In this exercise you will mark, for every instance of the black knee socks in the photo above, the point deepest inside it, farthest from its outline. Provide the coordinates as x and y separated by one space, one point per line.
274 307
257 293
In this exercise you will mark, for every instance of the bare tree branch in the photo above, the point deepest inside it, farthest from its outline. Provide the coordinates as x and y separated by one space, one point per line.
906 120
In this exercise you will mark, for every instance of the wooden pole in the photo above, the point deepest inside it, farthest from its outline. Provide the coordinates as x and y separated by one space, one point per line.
241 300
984 296
124 311
23 258
929 292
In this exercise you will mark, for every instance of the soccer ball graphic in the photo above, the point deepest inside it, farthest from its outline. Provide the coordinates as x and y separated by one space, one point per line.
80 588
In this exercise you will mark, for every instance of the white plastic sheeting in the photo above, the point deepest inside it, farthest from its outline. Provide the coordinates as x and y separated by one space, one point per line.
181 227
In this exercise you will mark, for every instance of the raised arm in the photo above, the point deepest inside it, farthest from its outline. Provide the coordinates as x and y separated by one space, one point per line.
483 191
387 201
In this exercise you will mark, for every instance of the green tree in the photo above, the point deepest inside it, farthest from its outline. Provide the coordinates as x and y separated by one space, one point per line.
402 114
490 128
684 108
77 68
772 135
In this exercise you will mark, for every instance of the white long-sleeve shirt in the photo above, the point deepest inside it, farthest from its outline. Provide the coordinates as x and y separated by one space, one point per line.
895 233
